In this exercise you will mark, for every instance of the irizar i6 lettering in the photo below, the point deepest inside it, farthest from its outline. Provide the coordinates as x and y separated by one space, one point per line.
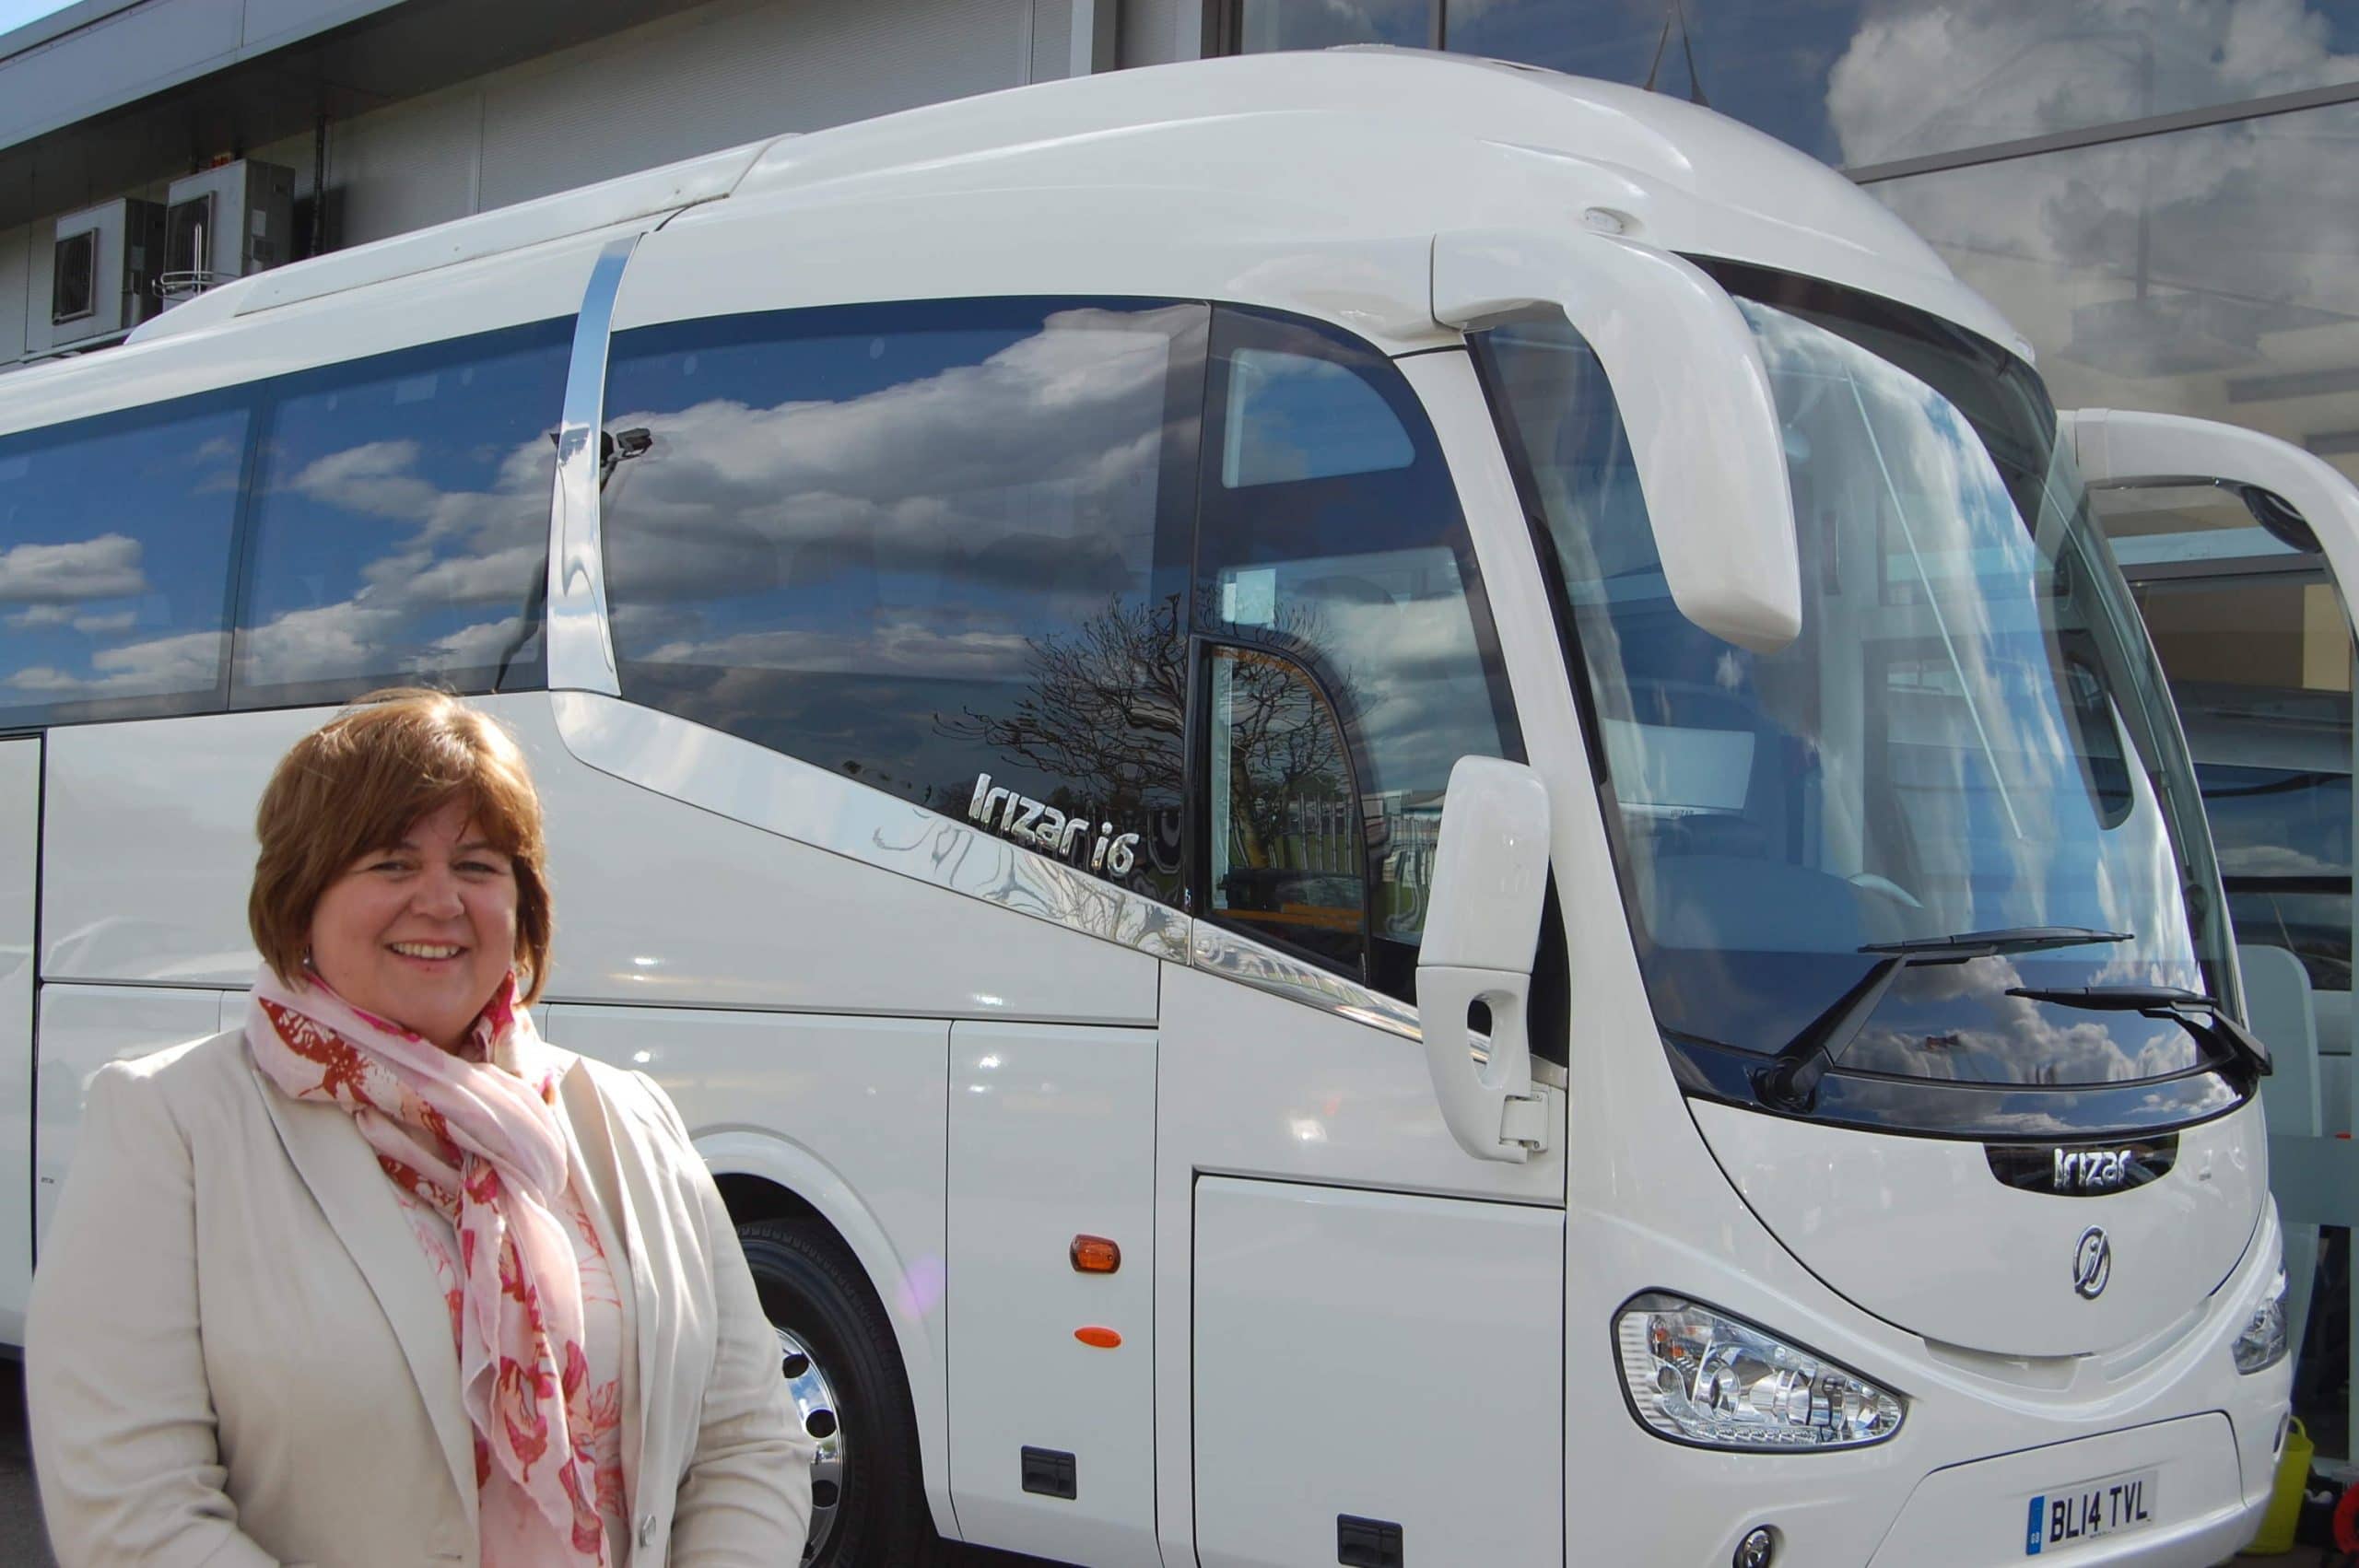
1476 722
1029 821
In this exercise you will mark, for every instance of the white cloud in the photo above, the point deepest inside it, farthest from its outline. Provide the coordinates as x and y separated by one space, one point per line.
2148 269
1933 77
373 478
475 647
190 662
103 568
1044 453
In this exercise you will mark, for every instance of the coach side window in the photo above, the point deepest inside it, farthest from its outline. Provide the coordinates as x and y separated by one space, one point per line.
114 562
401 520
938 547
1331 533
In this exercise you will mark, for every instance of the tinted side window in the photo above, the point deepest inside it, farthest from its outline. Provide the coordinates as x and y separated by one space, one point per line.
401 520
114 562
938 547
1285 849
1331 531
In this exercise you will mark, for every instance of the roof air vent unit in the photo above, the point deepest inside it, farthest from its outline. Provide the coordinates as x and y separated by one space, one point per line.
102 269
225 222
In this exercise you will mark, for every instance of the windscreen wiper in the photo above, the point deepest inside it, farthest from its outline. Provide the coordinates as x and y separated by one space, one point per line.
1984 945
1790 1083
2200 1015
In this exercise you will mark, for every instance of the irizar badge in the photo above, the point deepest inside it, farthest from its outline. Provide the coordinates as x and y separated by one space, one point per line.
2091 1263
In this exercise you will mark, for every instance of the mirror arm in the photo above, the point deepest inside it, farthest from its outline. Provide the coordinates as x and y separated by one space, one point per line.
1695 402
2121 447
1493 1110
1482 930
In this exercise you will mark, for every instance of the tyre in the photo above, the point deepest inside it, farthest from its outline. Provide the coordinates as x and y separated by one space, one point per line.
837 1355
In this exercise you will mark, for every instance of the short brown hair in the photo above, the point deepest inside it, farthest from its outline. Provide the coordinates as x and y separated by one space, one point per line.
359 781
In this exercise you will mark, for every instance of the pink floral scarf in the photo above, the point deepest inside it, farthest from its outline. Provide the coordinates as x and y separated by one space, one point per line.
476 1135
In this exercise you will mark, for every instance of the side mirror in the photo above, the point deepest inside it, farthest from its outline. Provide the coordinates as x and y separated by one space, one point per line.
1695 398
2116 447
1482 929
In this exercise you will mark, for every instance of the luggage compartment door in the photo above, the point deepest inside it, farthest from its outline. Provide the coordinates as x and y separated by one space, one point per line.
1356 1354
1052 1367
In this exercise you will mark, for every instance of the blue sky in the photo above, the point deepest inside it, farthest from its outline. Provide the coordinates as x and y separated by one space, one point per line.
15 13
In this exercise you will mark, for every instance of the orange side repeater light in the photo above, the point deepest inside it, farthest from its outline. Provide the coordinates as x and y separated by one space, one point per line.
1103 1338
1096 1255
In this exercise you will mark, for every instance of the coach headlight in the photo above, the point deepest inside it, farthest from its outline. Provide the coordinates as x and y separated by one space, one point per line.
2263 1344
1696 1375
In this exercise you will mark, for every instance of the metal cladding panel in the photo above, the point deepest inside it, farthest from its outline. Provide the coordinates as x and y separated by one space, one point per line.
1156 33
86 59
16 264
272 23
405 167
687 85
1052 40
110 62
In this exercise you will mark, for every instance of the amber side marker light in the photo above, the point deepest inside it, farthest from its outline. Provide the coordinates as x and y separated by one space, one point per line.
1096 1255
1102 1338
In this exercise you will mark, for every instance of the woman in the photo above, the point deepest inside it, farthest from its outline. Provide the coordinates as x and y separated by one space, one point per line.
381 1277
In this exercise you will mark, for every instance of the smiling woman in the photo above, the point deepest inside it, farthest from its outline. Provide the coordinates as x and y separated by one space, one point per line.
401 864
386 1199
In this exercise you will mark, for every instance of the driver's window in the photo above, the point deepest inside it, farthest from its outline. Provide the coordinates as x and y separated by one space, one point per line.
1330 533
1287 843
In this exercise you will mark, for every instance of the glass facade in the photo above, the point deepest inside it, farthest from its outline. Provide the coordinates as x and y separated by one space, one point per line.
2162 195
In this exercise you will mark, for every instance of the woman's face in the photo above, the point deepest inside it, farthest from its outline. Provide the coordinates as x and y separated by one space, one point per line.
421 933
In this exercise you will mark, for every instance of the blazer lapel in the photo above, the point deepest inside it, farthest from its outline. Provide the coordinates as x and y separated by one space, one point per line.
342 1172
597 1141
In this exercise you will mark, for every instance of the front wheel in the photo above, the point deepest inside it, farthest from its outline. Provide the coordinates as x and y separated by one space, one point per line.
843 1369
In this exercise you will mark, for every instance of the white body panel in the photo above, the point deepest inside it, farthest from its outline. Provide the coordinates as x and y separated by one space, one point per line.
1961 1513
1046 1144
1877 1217
480 295
1256 1085
1350 1348
19 885
82 1029
874 1164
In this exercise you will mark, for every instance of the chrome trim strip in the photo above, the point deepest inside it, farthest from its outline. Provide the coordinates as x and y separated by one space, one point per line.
781 794
1232 956
581 649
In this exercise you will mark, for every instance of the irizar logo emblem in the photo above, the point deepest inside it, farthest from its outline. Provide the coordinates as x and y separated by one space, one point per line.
1049 830
2094 1170
2091 1263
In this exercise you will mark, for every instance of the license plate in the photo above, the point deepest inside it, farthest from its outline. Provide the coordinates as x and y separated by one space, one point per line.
2092 1510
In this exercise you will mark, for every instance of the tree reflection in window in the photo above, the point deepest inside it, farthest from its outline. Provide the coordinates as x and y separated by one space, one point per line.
1287 845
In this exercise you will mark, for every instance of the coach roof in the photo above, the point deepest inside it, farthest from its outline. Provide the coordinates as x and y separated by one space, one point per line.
1328 147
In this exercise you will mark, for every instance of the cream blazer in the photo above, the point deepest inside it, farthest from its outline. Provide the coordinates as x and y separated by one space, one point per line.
236 1355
